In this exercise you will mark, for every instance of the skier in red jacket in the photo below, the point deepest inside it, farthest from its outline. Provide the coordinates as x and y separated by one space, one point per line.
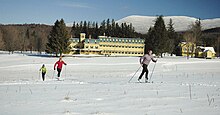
59 65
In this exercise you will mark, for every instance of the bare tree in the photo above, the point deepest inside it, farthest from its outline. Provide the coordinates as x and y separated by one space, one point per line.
1 41
10 39
189 38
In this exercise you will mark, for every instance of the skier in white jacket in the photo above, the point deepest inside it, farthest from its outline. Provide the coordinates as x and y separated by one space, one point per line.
144 61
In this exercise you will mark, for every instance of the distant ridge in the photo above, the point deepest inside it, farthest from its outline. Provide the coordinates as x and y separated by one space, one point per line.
181 23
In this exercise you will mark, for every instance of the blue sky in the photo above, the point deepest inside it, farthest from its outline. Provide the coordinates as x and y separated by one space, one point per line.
48 11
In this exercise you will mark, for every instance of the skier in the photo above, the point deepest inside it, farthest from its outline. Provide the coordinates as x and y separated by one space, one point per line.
59 65
44 71
144 61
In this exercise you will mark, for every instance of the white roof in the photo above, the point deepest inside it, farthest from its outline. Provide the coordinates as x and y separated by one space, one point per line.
207 48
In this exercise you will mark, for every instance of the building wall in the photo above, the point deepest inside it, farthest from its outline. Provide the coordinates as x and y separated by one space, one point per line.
187 49
108 46
122 46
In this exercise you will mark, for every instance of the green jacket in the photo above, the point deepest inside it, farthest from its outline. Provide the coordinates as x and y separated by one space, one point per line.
43 69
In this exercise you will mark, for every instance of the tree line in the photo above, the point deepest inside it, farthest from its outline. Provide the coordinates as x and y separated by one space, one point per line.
24 37
107 27
160 37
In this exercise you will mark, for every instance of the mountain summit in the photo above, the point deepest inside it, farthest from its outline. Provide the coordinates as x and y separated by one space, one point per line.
181 23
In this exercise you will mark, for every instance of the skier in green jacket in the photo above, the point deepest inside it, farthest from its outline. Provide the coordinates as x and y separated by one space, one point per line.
44 71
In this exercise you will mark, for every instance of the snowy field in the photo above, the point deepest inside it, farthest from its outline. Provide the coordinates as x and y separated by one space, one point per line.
99 86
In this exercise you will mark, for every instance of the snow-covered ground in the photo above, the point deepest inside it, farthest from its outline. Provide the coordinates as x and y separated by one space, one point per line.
99 86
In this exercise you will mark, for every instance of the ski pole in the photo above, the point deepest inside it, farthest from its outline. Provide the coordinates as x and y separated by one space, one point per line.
134 74
53 74
39 75
65 72
152 72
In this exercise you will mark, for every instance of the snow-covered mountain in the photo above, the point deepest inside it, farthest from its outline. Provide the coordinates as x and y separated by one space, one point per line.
181 23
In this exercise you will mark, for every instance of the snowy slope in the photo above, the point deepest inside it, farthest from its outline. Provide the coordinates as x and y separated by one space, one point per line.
99 86
181 23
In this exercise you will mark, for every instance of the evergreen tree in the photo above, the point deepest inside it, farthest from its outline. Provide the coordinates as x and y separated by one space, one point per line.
108 28
73 29
196 30
113 30
172 38
58 40
158 37
151 40
102 28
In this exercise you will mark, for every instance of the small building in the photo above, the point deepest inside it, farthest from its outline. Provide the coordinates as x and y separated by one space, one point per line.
187 49
108 46
205 52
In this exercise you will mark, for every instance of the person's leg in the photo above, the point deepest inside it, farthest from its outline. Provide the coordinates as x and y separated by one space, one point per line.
142 73
58 70
146 74
43 76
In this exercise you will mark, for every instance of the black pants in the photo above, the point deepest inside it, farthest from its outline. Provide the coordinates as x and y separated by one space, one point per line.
43 76
145 70
59 71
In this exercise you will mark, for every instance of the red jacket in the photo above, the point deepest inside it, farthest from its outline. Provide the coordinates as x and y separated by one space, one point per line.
59 64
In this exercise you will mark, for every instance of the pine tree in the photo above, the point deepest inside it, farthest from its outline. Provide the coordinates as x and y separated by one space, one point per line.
73 29
197 31
102 29
158 37
58 40
108 28
172 38
113 30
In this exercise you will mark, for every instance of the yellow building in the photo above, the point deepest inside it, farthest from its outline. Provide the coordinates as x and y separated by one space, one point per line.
205 52
187 49
108 46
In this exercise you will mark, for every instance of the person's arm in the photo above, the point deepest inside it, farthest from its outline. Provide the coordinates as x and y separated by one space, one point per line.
64 63
40 69
141 60
55 66
154 60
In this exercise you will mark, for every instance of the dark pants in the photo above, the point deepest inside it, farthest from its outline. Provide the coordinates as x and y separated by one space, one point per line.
145 70
43 76
59 71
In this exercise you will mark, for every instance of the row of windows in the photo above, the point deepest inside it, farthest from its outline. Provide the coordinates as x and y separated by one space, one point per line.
121 52
95 47
186 49
121 46
122 40
76 47
92 42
